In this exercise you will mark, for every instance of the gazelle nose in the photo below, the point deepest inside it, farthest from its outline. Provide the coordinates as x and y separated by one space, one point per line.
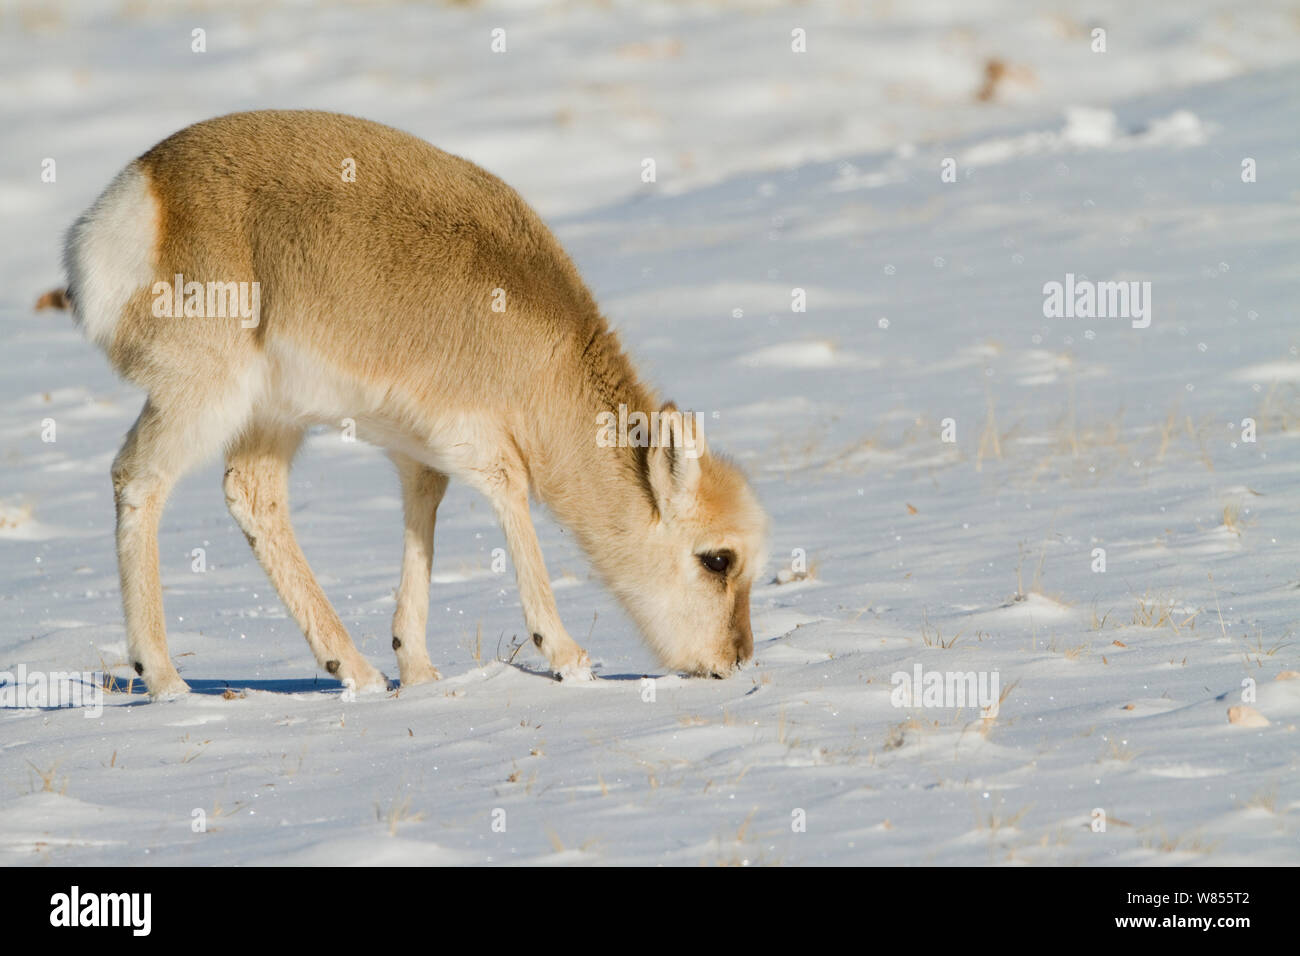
743 643
742 636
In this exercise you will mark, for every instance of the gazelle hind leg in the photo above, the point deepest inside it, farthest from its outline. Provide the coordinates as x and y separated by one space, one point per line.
257 494
422 491
166 441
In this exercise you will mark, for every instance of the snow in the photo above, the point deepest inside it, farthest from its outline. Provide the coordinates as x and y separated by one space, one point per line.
895 548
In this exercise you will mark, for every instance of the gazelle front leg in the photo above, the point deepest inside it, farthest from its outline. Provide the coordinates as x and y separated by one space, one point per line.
422 491
508 492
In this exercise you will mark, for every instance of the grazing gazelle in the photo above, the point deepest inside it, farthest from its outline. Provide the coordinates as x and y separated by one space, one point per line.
355 272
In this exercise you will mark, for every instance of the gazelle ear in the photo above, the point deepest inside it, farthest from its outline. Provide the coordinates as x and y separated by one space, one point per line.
673 459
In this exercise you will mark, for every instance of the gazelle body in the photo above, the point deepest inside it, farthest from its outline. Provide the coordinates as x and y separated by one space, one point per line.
423 300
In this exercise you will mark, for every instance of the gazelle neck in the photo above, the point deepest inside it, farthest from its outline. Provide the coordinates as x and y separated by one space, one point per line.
591 477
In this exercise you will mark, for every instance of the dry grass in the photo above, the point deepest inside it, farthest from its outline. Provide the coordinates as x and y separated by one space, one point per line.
895 737
474 645
1232 519
935 638
15 517
112 684
219 811
729 856
1069 653
1035 585
1193 843
1065 449
1265 800
1279 409
1255 653
1116 750
49 783
987 723
1157 612
399 811
516 645
1167 432
999 818
735 859
990 445
1098 623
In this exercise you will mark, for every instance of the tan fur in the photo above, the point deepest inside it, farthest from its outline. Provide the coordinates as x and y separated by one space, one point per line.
376 306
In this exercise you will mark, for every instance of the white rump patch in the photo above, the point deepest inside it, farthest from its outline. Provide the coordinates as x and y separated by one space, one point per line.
109 252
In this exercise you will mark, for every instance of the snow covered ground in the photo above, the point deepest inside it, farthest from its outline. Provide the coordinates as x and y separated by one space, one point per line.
820 171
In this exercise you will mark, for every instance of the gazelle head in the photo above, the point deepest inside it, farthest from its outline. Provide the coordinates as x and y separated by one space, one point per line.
686 579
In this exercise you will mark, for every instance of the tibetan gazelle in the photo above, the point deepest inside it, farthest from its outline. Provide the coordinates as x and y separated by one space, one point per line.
262 272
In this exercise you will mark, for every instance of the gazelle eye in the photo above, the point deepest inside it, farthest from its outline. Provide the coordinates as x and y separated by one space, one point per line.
718 563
